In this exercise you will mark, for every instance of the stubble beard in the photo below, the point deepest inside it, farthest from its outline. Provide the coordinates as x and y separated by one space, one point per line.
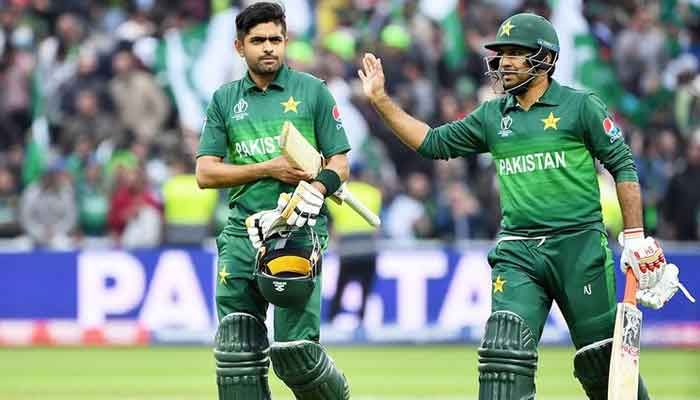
261 69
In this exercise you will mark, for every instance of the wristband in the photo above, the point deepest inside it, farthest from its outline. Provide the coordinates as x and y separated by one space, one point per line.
633 233
330 180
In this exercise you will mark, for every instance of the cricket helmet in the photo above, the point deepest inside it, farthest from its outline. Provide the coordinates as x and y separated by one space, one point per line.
529 31
286 267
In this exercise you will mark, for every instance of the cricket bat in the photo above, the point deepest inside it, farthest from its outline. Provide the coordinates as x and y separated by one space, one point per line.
303 155
624 360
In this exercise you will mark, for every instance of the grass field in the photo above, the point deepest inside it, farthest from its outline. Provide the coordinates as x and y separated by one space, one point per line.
376 373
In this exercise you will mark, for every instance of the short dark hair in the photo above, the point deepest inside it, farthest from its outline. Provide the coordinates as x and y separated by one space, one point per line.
259 13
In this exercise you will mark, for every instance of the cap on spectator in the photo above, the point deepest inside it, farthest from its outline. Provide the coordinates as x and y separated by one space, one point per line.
341 43
300 51
396 36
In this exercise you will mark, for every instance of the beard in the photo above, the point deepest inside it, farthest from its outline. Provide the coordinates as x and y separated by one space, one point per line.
514 80
262 68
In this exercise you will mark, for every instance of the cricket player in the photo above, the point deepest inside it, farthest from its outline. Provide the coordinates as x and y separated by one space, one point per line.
243 124
553 246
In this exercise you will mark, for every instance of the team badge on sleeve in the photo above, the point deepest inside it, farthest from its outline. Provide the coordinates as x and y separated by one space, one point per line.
611 130
336 116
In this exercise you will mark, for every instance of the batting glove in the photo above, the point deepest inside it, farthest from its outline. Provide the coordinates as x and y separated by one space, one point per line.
304 206
662 292
265 223
643 255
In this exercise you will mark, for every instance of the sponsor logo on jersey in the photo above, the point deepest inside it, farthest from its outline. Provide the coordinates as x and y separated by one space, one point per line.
611 130
531 162
336 116
239 110
506 122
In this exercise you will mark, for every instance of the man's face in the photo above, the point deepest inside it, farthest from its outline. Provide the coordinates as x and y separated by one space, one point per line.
263 48
514 65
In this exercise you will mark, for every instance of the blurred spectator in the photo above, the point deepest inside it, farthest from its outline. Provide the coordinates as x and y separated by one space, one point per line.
188 209
93 201
640 51
9 204
87 78
409 214
78 160
57 60
682 201
16 67
459 214
91 120
134 214
687 103
47 209
140 103
654 171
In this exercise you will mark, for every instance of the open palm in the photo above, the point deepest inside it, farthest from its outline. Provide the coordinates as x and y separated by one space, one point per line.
372 77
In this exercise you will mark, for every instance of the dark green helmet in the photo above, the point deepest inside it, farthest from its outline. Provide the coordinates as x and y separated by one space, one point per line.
526 30
286 266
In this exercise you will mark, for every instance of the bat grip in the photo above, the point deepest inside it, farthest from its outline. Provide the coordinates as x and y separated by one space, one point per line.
363 211
630 288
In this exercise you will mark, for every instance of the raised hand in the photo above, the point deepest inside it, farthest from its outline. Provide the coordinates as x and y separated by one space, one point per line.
372 77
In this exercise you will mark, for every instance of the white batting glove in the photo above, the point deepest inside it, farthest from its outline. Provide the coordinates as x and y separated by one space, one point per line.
643 255
662 292
264 223
304 206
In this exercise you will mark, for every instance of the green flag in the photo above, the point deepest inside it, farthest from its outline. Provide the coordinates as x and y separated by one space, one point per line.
38 142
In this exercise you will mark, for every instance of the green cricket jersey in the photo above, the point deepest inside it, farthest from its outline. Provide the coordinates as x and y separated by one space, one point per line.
243 124
544 157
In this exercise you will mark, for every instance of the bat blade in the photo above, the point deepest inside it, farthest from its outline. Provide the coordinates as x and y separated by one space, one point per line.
624 360
299 151
301 154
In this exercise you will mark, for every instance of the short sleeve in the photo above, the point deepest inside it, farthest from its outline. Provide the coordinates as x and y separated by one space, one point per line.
213 141
330 132
605 141
458 138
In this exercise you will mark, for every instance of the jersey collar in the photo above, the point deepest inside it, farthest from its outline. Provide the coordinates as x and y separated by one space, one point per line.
279 82
551 97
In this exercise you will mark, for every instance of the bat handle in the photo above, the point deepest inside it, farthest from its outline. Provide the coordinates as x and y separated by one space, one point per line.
363 211
630 288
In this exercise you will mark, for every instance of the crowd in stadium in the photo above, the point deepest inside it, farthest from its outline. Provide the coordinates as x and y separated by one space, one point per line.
97 134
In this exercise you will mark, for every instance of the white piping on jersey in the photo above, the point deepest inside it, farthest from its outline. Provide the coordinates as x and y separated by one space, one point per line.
510 238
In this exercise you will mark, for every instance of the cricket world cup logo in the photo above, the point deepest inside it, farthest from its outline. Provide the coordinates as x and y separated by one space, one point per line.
506 122
239 110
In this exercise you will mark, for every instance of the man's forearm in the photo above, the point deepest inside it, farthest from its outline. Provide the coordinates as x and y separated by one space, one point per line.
410 130
223 175
630 198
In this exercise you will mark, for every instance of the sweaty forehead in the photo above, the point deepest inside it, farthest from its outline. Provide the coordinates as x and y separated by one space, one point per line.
266 30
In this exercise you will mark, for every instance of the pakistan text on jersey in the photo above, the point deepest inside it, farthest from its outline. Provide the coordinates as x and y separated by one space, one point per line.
257 147
532 162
